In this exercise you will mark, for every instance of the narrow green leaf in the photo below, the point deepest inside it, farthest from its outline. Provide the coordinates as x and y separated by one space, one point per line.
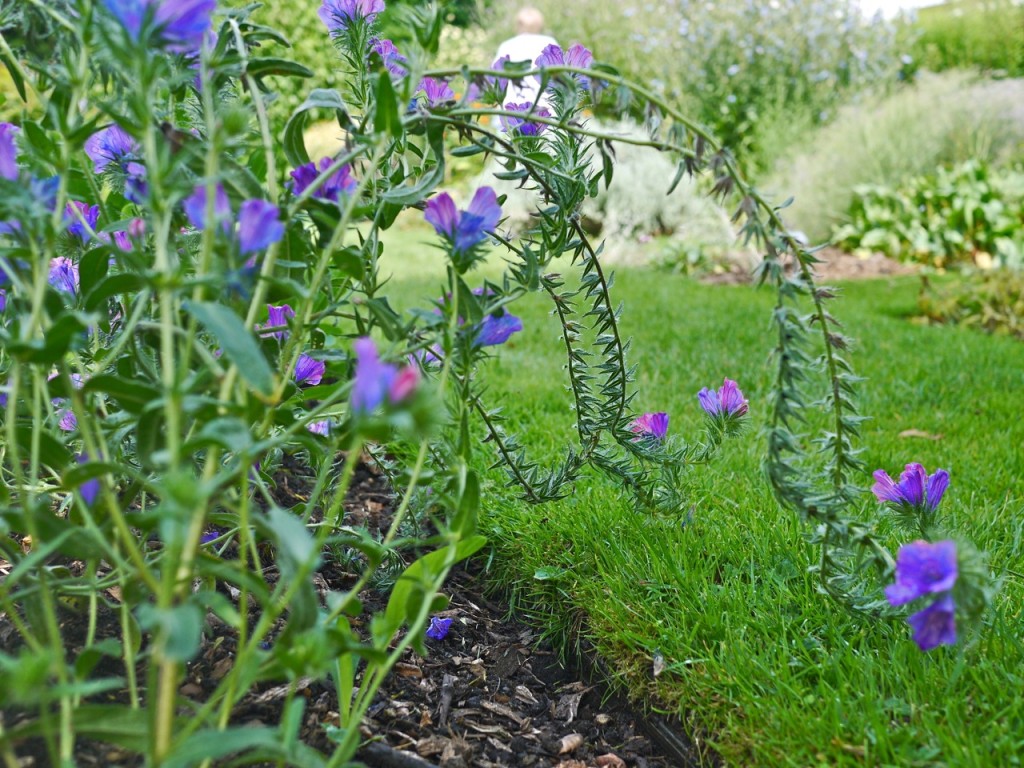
237 341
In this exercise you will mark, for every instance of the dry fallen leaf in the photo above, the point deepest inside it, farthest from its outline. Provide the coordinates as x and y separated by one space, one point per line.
408 670
659 663
570 743
610 761
919 433
568 706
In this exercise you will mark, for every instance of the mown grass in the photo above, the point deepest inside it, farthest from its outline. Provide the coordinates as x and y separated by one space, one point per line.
763 668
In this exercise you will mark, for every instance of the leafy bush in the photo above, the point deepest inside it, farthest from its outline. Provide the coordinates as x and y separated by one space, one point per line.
987 34
968 215
941 120
993 301
754 73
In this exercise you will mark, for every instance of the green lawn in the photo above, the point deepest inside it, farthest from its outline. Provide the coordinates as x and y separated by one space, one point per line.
766 670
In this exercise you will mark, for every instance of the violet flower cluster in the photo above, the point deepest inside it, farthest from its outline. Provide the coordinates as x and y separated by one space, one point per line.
924 569
653 426
523 126
727 404
337 185
467 228
376 381
916 491
337 15
180 24
259 224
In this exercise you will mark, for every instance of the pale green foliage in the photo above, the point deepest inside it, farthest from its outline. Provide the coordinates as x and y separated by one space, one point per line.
748 71
943 119
638 205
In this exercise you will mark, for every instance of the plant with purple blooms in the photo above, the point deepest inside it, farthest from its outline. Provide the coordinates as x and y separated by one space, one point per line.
223 322
466 229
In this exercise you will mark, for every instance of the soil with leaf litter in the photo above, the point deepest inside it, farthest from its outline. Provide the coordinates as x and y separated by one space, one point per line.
488 694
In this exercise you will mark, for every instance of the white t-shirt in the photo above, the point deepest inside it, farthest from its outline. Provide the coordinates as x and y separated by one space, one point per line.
525 47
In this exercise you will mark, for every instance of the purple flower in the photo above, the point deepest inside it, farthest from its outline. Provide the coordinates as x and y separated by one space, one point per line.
309 371
923 568
75 213
438 629
90 489
68 422
935 625
338 14
110 145
521 126
209 536
436 91
322 428
258 225
195 207
64 275
376 380
3 299
496 329
653 425
728 401
338 184
276 318
394 62
122 241
467 228
575 56
494 87
181 23
8 151
915 489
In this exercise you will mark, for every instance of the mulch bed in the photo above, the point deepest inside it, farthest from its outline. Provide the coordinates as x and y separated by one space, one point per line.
489 694
836 264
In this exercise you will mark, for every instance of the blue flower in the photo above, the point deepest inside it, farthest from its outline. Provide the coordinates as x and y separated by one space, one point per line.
75 213
338 184
195 207
338 14
64 275
464 229
576 56
652 425
916 488
309 370
277 317
258 225
922 569
727 402
437 92
935 625
438 629
181 24
8 151
496 329
110 145
376 380
524 126
394 62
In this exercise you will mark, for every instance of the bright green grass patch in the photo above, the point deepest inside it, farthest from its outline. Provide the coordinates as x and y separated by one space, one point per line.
765 669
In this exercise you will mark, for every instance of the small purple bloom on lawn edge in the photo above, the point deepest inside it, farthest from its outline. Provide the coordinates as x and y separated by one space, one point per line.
438 629
935 625
923 568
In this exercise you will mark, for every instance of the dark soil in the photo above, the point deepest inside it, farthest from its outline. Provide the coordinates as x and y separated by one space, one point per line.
489 694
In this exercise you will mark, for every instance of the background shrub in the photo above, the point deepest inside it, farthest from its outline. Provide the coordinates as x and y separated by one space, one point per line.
752 72
993 302
988 34
966 215
940 120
